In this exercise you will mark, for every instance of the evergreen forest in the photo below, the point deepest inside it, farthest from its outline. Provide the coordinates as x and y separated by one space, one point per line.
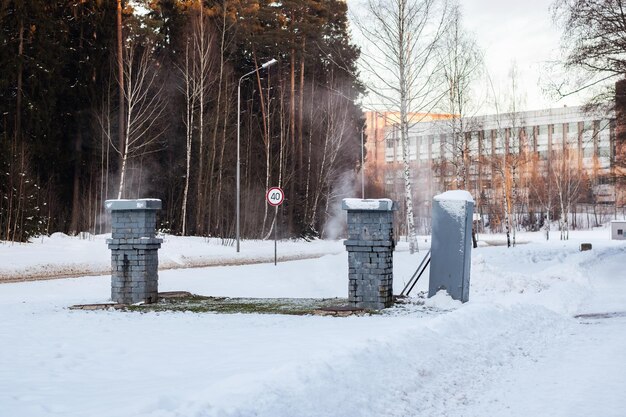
106 99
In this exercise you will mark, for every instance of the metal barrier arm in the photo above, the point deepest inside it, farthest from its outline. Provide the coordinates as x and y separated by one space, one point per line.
416 276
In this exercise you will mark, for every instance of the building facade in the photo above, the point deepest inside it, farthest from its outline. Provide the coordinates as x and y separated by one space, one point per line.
531 164
379 124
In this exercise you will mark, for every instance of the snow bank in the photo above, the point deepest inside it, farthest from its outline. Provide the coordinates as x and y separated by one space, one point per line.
62 255
515 340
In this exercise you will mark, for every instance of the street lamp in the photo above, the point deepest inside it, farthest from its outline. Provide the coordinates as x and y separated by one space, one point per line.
362 166
265 65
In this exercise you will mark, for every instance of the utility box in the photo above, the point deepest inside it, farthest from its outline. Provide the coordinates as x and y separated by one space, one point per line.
451 244
618 229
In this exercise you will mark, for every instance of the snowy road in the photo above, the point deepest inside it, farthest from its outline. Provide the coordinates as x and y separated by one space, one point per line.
514 350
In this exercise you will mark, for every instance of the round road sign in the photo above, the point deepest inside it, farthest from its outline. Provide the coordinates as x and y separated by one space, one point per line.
275 196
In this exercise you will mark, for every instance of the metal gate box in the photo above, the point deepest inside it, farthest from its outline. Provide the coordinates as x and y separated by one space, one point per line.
451 244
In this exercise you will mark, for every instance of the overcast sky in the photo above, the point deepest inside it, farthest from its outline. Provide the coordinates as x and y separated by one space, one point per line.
520 31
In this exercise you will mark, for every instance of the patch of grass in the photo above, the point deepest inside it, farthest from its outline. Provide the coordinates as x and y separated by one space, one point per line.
225 305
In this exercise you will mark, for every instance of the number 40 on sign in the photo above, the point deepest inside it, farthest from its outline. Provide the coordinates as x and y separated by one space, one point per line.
275 196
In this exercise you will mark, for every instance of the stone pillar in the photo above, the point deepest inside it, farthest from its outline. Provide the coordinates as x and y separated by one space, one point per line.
451 244
134 250
370 246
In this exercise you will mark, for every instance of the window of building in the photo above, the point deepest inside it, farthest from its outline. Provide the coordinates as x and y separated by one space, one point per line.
445 142
542 141
488 141
604 139
422 143
571 139
542 130
412 148
435 147
498 142
522 140
474 141
572 128
604 179
620 232
587 140
604 151
557 137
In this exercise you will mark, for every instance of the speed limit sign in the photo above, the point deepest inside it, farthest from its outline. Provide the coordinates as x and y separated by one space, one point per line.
275 196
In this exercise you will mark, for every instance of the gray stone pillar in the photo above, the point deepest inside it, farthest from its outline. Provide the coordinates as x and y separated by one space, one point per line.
370 247
134 250
451 244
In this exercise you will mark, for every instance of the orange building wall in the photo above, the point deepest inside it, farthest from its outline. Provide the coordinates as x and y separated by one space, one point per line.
376 124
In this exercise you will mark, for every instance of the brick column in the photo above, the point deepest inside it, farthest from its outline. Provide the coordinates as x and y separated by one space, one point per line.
370 246
134 250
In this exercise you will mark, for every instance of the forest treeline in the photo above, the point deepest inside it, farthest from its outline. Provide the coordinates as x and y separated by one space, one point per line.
81 122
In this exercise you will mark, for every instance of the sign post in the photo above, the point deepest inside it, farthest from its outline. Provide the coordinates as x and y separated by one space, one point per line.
275 197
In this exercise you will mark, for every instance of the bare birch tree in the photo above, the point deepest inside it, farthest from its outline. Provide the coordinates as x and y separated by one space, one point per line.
399 58
506 161
207 211
337 129
195 71
190 89
144 106
567 181
461 65
540 187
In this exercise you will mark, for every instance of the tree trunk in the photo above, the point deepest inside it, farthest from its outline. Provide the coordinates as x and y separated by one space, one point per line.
202 71
308 165
300 111
404 87
293 146
76 203
18 98
120 192
120 75
221 164
189 123
207 206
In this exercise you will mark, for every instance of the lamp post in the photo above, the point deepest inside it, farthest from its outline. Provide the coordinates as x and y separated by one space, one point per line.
362 167
238 192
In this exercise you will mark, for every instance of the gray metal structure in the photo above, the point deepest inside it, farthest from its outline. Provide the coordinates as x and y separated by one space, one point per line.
134 250
618 229
451 244
370 246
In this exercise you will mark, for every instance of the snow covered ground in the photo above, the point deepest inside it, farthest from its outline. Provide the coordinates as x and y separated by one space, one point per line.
515 349
60 255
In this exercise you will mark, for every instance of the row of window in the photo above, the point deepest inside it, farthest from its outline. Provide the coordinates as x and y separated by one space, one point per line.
589 137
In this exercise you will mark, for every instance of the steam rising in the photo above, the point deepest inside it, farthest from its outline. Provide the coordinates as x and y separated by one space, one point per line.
345 187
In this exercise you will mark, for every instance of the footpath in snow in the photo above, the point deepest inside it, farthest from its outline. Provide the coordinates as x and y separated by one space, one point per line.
61 256
515 349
